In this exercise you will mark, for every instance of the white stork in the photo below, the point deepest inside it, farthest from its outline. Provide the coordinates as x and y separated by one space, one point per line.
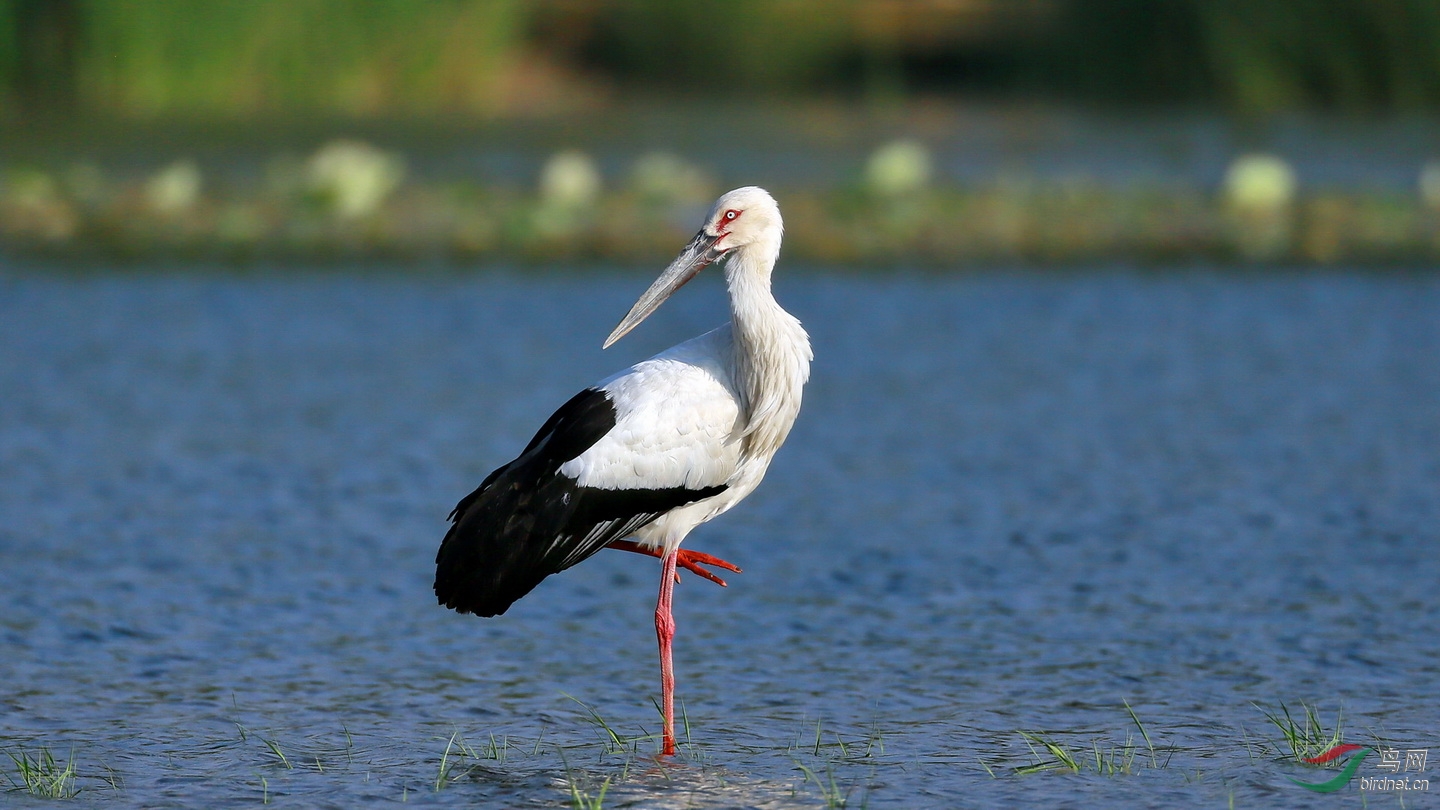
649 453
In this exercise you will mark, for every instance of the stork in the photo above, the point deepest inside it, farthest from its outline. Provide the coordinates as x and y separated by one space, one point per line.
641 458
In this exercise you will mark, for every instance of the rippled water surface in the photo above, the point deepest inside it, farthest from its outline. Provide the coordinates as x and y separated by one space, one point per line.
1012 503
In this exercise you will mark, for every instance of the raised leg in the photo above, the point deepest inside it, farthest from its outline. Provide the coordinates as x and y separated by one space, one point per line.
689 560
665 633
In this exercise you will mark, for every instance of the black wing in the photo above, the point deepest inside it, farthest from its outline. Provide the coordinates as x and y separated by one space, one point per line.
527 520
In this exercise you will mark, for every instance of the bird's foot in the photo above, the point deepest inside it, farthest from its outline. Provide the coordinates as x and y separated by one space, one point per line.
692 560
689 560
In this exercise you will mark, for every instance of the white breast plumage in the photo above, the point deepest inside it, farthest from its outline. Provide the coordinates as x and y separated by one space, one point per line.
676 423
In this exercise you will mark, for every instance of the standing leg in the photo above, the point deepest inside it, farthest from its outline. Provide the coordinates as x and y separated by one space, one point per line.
665 632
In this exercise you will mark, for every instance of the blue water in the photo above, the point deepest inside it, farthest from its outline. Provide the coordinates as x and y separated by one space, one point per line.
1012 502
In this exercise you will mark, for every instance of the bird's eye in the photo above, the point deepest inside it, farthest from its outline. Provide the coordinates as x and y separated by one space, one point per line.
731 215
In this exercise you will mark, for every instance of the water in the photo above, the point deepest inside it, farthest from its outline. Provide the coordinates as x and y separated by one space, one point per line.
1011 503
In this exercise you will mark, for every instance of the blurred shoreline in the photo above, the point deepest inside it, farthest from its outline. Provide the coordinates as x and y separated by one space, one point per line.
965 184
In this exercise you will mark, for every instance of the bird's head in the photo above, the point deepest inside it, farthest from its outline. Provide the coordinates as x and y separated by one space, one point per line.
741 218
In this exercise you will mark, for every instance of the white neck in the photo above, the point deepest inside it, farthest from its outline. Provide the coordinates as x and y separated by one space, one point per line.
772 351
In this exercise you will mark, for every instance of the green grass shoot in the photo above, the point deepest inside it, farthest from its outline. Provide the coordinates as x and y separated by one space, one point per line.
874 741
1051 754
43 777
444 773
830 790
498 751
613 741
1060 757
274 747
582 800
1306 737
457 751
1143 733
1115 760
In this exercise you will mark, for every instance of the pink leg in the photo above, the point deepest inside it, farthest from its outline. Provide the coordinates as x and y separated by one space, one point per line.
665 632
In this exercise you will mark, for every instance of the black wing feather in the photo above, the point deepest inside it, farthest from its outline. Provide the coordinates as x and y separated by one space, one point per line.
527 521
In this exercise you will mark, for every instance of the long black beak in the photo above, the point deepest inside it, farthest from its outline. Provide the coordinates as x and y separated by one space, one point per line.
695 257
